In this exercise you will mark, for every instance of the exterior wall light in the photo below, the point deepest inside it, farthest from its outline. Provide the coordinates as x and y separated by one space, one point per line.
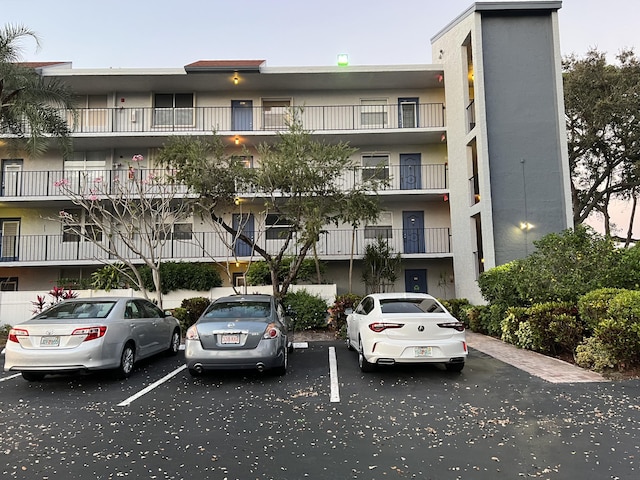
236 79
525 226
236 140
236 200
343 60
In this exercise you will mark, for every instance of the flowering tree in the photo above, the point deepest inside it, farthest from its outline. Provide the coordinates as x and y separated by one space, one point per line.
129 216
57 294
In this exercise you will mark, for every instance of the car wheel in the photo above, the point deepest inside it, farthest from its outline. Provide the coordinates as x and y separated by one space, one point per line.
174 347
348 342
282 369
194 373
32 376
454 367
127 359
363 363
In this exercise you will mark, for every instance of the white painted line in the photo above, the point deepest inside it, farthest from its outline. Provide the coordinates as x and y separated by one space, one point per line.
300 344
10 377
132 398
333 371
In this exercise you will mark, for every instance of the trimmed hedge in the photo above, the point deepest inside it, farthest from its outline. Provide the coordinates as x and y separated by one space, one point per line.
307 311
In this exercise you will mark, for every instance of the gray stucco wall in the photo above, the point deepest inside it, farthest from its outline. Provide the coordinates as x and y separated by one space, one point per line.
520 75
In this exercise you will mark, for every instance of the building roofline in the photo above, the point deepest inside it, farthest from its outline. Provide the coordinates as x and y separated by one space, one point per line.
530 6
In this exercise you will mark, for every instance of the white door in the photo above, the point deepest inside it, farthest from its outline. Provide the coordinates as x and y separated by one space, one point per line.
9 245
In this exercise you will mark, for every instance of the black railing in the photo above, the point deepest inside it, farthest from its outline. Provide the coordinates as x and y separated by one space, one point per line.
252 119
205 245
53 183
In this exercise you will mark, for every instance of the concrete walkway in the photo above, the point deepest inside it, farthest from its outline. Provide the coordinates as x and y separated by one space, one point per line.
550 369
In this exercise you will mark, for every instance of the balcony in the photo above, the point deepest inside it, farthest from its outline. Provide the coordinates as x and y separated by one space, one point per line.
20 185
29 250
254 119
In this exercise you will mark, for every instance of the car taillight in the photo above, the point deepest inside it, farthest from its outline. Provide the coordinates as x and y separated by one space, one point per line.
14 333
192 333
272 331
91 332
459 326
380 326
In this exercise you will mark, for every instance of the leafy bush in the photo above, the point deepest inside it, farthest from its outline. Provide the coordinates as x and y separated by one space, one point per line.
308 311
500 284
552 328
259 272
110 277
593 306
338 319
478 318
594 355
183 276
190 310
510 324
457 307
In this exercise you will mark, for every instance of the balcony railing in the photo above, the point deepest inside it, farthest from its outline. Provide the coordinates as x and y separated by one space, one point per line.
252 119
206 245
21 184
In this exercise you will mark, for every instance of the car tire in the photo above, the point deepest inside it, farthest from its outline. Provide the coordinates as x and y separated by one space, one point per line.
348 342
33 376
282 369
194 373
127 360
363 363
454 367
174 346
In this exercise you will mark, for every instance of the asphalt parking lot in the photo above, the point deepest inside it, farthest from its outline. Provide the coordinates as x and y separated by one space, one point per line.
323 420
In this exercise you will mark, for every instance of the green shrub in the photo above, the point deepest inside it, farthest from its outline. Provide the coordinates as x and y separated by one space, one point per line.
190 310
308 311
510 324
479 318
550 328
500 284
199 277
593 306
594 355
259 272
456 307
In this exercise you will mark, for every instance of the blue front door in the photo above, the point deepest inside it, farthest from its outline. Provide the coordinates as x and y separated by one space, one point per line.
415 280
413 232
244 224
410 171
242 115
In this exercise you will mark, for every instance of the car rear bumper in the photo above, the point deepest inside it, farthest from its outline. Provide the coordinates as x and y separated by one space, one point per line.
389 351
268 354
83 357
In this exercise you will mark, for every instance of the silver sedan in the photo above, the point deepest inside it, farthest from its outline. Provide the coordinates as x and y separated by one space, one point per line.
86 334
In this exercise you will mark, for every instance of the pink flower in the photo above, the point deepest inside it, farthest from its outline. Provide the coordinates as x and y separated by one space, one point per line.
137 158
61 183
97 180
93 198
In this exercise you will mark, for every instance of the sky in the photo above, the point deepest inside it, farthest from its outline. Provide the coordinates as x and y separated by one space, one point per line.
171 34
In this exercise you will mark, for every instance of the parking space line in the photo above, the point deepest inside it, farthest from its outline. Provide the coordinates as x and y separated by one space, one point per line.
10 377
146 390
333 371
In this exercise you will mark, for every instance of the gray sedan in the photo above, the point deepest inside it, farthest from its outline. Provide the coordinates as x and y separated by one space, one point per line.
239 332
91 334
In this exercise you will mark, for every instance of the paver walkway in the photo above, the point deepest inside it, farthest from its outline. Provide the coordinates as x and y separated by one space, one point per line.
548 368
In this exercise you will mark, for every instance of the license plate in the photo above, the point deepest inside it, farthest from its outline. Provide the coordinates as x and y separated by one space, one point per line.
50 341
422 351
230 339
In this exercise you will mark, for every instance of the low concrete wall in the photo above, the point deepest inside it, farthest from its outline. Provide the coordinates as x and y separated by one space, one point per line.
16 307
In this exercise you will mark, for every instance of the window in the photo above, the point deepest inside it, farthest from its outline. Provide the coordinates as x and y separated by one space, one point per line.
277 227
8 284
182 231
162 232
275 114
77 228
373 112
173 109
380 229
375 167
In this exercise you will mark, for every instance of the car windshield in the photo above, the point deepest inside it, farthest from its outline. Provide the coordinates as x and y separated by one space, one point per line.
238 310
78 310
410 305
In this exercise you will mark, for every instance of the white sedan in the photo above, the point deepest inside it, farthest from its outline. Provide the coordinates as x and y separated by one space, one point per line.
90 334
390 328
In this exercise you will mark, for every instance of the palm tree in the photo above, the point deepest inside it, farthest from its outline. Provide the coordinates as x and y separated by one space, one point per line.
29 103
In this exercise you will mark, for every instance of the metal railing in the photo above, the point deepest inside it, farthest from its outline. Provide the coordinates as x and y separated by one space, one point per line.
251 119
211 245
21 184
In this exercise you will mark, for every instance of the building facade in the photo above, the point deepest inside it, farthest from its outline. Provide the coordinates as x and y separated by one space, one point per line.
473 147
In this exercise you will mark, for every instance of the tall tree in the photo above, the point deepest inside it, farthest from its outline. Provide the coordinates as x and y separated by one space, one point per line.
30 104
297 179
602 107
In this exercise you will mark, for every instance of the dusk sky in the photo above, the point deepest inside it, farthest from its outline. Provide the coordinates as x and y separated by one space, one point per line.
162 33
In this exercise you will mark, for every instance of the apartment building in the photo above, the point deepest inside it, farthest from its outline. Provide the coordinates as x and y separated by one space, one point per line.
473 146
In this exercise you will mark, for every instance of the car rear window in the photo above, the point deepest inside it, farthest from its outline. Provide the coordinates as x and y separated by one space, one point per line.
238 310
418 305
78 310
